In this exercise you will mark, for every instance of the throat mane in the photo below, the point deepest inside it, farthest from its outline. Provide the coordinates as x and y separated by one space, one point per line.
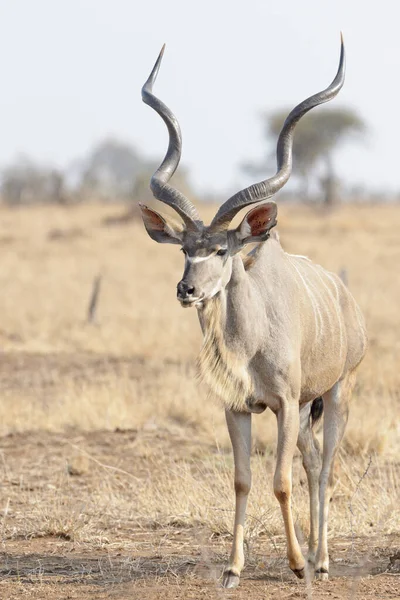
223 370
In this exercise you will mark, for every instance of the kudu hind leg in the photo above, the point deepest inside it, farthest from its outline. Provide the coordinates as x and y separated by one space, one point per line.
239 427
288 431
311 454
336 409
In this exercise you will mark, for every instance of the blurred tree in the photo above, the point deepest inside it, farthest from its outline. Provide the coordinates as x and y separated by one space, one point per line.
25 182
317 137
111 170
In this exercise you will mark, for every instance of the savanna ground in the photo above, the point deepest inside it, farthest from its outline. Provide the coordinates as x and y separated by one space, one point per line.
116 470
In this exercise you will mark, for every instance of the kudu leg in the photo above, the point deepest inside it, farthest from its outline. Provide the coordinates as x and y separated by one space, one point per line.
239 427
288 431
310 451
336 403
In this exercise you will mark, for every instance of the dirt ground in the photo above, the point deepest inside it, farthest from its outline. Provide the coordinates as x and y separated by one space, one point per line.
116 472
71 530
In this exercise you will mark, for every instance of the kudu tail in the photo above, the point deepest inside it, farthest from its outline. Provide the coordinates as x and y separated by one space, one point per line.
317 408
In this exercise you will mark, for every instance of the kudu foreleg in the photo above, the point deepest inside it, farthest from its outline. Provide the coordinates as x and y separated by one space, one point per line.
288 430
239 427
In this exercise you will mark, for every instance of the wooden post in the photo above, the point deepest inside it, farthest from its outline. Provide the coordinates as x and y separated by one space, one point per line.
94 299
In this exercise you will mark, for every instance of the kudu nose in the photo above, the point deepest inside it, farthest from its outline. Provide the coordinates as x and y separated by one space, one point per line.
185 290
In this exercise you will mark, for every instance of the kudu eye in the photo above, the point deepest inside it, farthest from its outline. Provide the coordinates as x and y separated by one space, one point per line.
222 251
184 251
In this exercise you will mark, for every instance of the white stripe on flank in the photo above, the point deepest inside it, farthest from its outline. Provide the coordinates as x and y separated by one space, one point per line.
317 298
335 298
310 294
300 256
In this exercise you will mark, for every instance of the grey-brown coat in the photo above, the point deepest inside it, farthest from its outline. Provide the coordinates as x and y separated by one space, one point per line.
279 332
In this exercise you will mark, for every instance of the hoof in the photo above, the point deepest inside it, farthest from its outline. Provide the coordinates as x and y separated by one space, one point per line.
322 574
230 580
300 573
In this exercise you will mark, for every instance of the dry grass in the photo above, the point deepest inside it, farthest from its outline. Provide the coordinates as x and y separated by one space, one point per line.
134 370
47 285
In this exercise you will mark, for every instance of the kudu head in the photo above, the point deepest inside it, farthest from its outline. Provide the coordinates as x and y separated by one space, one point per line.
209 249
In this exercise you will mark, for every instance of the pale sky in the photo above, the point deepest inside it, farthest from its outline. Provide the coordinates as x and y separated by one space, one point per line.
72 71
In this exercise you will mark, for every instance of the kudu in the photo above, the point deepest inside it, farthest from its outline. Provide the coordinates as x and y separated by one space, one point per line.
279 332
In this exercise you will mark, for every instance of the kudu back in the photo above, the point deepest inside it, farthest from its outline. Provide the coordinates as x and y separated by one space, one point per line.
280 332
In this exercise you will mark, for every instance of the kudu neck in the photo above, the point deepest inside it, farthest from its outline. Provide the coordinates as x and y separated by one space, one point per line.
233 304
229 304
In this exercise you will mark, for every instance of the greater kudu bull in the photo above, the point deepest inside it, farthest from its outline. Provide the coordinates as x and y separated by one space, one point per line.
279 332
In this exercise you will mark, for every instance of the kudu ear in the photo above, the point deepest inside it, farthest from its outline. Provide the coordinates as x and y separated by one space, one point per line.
257 223
161 229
